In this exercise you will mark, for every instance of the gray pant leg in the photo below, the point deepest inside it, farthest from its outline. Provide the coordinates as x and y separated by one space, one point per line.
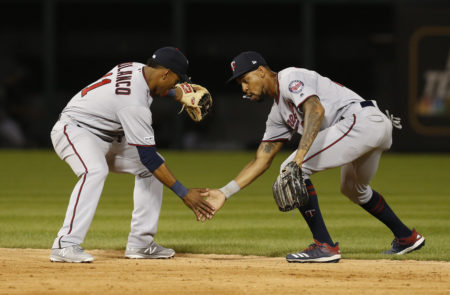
147 207
147 194
85 154
356 177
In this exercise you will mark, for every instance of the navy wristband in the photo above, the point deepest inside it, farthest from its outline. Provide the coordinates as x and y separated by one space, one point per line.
179 189
172 93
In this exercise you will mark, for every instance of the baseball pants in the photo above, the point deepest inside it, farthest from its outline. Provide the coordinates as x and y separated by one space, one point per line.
91 159
355 143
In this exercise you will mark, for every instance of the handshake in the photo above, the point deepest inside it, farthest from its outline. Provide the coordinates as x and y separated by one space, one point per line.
204 202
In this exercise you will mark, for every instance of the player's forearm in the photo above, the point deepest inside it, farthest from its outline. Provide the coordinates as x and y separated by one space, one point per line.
248 174
314 113
155 164
164 175
264 155
251 172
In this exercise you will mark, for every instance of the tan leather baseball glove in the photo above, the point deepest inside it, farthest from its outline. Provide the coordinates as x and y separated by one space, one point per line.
196 100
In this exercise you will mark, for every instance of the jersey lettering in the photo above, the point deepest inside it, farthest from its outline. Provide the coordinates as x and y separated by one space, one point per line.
127 83
124 73
292 120
123 79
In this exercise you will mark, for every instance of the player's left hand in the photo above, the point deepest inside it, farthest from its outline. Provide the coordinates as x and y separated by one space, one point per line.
289 190
201 208
196 100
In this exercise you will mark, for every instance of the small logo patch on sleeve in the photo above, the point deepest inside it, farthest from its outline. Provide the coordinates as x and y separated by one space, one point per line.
296 86
148 138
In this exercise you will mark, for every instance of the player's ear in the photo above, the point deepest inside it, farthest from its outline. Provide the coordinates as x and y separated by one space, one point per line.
261 71
165 75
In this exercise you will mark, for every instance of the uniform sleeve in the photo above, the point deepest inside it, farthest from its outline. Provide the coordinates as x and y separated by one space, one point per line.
299 86
137 125
276 129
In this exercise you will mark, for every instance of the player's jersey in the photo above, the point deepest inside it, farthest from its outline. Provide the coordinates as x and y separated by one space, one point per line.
115 105
295 86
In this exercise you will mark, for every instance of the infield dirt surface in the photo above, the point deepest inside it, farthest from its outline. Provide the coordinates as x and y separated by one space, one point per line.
29 271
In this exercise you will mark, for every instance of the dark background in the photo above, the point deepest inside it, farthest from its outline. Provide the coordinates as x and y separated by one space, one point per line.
51 49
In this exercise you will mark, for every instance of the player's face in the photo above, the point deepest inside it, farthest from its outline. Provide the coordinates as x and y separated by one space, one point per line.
252 85
167 81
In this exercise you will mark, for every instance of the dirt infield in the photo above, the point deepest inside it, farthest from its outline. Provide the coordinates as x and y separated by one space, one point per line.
29 271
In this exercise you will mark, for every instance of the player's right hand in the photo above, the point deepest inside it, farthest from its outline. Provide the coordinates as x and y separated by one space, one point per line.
198 205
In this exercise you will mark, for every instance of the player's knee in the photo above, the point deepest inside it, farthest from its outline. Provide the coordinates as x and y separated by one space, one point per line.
98 171
357 193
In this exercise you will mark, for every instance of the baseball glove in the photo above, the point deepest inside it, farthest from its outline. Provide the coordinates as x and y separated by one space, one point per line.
196 100
289 190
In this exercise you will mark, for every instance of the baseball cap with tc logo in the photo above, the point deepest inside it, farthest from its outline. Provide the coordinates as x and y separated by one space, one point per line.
246 62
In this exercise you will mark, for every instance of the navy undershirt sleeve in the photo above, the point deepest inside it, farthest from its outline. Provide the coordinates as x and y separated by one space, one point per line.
149 157
172 93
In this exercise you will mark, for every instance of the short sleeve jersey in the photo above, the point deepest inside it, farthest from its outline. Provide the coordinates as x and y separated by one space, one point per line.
118 104
296 85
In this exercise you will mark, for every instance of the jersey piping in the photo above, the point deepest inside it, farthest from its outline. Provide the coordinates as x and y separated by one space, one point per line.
336 141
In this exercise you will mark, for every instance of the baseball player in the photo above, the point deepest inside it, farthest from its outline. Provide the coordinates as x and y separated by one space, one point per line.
338 128
107 126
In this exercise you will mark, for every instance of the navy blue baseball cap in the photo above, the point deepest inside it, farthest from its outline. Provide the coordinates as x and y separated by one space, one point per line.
245 62
173 59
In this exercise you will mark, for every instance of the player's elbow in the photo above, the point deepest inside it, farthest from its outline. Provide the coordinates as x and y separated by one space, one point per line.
150 158
312 106
319 110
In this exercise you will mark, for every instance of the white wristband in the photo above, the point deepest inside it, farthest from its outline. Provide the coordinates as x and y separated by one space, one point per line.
230 189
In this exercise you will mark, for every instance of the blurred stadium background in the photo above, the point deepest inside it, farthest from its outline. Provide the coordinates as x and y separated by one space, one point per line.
394 51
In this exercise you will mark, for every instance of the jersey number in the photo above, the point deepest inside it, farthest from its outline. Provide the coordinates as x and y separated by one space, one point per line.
98 84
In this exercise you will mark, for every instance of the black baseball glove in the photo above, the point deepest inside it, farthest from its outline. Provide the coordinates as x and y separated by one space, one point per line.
289 190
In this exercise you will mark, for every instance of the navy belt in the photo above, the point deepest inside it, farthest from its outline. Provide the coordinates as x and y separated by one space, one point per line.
366 103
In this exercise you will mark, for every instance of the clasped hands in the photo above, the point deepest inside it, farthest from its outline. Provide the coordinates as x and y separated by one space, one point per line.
204 202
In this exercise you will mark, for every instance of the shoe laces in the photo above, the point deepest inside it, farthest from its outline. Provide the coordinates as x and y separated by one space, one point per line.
77 248
404 241
312 247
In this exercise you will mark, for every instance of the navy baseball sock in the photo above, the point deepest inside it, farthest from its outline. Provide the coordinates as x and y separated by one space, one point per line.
378 207
313 217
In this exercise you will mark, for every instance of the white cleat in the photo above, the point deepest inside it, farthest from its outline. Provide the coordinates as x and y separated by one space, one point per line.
70 254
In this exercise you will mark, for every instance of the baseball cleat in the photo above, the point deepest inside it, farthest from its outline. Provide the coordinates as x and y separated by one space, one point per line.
317 252
70 254
154 251
402 246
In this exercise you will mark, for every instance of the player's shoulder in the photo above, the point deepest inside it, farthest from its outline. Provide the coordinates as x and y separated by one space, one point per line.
128 66
292 80
293 72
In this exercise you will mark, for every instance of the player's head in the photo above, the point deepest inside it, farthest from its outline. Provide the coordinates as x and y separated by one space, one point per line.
171 65
250 69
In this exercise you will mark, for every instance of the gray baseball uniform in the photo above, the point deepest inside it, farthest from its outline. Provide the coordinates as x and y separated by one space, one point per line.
97 133
353 135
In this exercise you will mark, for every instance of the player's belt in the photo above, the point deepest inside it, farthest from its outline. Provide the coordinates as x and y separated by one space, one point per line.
366 103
